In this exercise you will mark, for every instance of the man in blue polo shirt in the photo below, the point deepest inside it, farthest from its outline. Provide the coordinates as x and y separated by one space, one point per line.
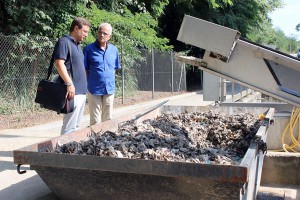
72 71
101 59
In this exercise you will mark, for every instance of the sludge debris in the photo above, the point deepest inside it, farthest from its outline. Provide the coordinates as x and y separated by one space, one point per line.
199 137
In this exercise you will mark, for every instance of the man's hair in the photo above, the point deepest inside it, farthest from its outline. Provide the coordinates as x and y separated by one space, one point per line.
80 22
105 24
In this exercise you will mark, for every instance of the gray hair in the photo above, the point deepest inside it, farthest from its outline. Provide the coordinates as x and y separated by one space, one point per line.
107 25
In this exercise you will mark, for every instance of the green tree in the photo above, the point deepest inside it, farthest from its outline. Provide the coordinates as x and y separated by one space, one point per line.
241 15
262 34
30 17
131 32
265 34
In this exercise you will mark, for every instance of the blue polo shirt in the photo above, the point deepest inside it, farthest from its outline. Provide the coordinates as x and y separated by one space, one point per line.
100 66
61 51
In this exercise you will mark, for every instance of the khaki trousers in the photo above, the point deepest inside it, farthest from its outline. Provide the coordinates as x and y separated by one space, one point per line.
100 107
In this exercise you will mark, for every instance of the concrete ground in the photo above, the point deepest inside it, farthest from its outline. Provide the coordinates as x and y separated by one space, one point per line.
30 186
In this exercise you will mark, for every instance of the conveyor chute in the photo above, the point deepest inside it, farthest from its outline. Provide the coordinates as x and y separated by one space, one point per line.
228 56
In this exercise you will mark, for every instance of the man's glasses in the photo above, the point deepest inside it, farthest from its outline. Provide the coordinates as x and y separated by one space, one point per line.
103 33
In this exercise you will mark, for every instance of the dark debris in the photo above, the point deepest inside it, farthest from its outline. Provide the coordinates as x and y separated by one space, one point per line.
200 137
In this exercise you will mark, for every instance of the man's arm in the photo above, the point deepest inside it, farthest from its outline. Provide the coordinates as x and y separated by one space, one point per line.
62 71
117 61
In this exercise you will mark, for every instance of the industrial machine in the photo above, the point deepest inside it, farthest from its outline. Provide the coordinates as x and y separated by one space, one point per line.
226 55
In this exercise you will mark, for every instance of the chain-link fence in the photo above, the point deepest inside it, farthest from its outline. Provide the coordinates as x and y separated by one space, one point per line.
24 61
159 72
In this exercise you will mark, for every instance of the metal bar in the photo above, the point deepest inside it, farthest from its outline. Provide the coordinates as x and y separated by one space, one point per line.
146 111
153 77
149 110
123 75
184 75
201 75
180 80
172 72
222 91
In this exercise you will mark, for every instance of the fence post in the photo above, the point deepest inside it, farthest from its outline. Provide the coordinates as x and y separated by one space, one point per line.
172 72
152 58
184 77
182 74
123 75
201 76
223 90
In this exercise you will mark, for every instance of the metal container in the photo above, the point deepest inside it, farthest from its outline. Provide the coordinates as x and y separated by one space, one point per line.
91 177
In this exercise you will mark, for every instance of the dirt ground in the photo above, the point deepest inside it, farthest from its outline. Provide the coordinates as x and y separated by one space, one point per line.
29 118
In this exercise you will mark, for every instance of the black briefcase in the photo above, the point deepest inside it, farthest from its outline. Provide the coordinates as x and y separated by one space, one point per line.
52 96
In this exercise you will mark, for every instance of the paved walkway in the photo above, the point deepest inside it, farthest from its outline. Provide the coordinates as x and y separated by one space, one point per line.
30 186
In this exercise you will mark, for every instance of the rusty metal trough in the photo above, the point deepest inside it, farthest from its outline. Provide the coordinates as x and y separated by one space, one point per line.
73 177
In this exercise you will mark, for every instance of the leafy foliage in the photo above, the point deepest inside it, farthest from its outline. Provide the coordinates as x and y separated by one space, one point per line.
146 22
42 18
265 34
131 32
236 14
